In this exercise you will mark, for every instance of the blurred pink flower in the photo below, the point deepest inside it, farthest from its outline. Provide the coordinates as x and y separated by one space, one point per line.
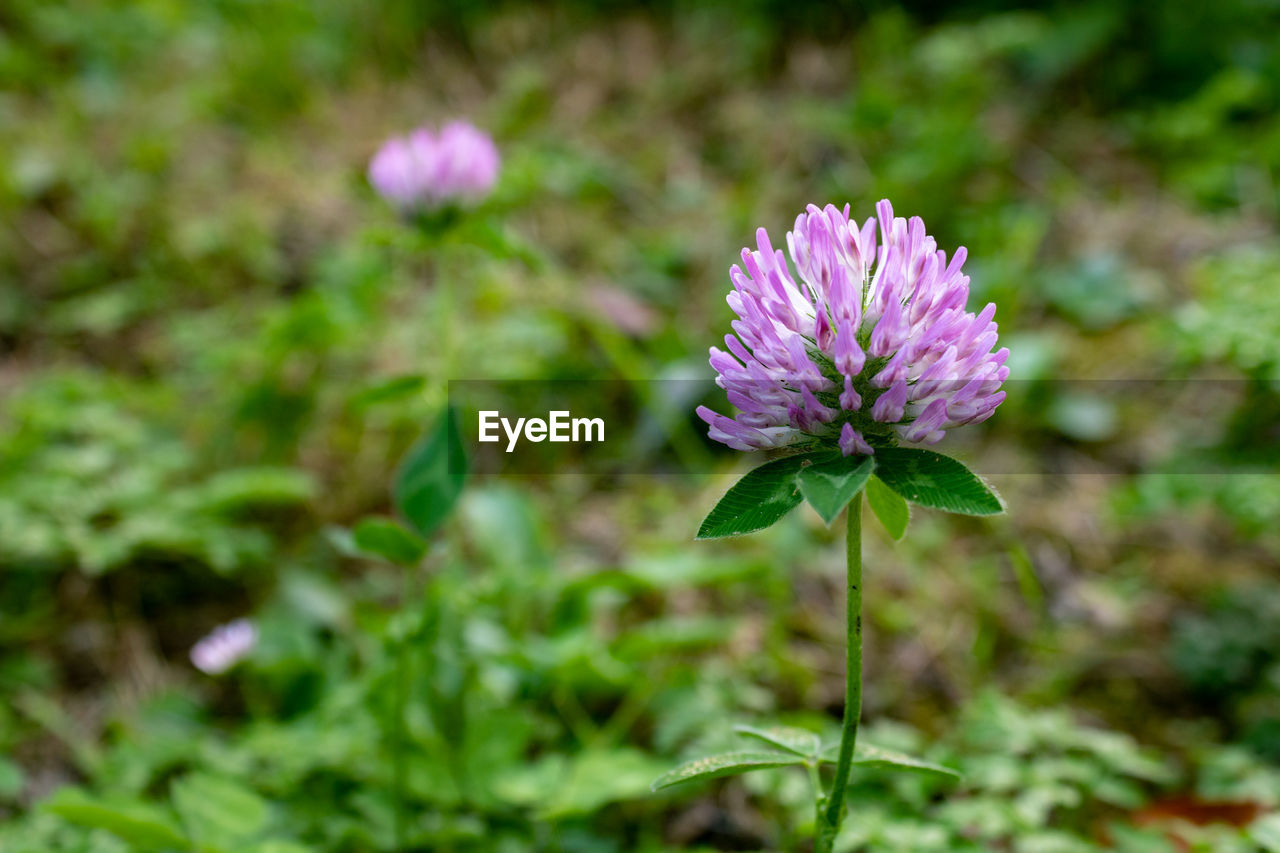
426 170
224 646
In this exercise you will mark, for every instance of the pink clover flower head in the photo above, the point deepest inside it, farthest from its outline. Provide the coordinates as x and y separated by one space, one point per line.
427 170
868 342
224 646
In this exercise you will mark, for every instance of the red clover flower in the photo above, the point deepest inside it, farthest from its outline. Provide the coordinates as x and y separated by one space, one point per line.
426 170
873 346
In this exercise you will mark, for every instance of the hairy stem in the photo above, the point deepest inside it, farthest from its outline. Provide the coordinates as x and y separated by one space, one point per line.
829 824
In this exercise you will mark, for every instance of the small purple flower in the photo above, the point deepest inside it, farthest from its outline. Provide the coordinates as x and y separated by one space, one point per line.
872 346
224 646
426 170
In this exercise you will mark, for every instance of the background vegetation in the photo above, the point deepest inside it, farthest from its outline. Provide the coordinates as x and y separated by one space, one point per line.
217 343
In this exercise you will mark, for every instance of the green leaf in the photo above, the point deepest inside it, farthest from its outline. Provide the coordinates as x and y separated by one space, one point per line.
935 481
759 499
725 764
144 826
431 476
597 776
889 507
866 755
829 485
218 812
382 537
245 489
789 738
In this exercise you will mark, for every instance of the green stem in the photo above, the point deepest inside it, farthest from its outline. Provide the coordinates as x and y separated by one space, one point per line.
398 768
830 821
447 310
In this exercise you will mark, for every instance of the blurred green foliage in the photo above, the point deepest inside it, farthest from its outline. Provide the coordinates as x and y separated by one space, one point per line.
82 477
218 345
